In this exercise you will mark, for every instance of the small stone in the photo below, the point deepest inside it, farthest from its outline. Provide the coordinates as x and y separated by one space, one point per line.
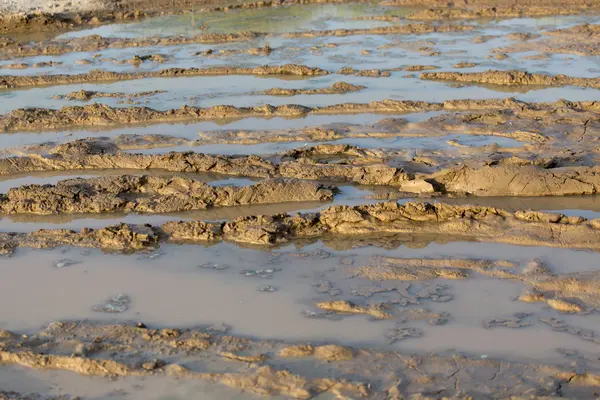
141 325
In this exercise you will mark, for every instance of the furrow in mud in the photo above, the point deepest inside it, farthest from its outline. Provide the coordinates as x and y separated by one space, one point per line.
36 119
475 223
10 81
512 78
89 348
151 194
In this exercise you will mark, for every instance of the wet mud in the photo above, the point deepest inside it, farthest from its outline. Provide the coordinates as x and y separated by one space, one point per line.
12 82
150 194
265 367
518 78
430 234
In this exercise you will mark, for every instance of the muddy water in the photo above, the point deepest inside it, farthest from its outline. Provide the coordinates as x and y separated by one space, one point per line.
274 293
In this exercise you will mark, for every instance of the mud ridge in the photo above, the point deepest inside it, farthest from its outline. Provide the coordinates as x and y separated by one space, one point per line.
483 224
84 95
512 78
151 194
409 29
336 88
32 119
10 81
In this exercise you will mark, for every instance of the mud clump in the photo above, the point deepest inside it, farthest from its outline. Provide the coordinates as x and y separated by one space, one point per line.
413 68
347 307
301 350
464 64
336 88
511 78
150 194
333 352
11 81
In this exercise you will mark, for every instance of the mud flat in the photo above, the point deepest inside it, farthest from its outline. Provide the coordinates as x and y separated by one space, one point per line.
365 232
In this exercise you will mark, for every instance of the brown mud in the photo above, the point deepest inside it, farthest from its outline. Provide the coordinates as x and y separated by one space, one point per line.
336 88
566 293
85 95
513 78
474 223
124 350
151 194
409 29
583 40
35 119
10 81
93 43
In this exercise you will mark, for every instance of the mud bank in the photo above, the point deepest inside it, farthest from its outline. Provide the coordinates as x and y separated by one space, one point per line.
12 48
35 119
89 348
10 81
151 194
512 78
409 29
367 170
336 88
497 12
473 223
466 222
